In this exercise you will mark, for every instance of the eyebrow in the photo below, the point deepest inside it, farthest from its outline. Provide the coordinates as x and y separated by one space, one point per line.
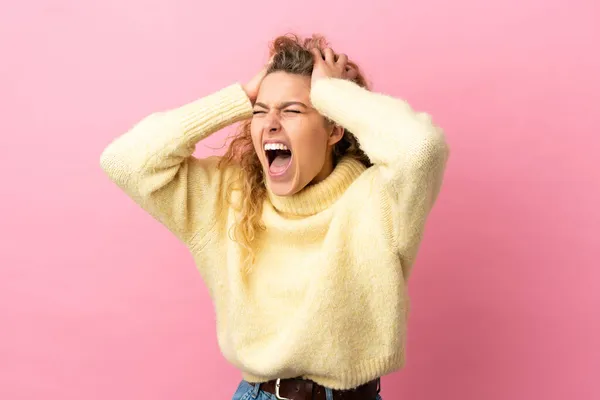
284 105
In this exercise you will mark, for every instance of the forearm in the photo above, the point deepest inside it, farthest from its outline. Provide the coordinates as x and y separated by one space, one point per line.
388 130
165 139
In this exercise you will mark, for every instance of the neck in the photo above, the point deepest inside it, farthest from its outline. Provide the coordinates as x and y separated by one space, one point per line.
327 169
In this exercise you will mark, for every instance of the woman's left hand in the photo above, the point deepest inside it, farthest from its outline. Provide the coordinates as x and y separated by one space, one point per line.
330 65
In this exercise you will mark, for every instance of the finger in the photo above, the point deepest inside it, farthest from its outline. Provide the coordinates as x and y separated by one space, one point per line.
342 59
351 73
329 56
317 54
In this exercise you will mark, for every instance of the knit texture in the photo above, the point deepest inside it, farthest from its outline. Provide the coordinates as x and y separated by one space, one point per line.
327 297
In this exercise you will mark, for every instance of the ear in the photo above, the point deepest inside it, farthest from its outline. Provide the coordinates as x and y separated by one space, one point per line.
336 134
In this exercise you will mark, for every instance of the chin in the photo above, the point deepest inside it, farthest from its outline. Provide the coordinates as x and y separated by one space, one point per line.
281 187
287 183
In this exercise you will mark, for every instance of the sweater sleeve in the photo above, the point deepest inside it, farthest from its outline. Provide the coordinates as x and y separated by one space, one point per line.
153 162
408 150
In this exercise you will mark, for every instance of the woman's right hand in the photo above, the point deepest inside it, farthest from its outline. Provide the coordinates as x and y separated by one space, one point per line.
251 88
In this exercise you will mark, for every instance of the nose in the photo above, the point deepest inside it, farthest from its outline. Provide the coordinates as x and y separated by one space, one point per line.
272 123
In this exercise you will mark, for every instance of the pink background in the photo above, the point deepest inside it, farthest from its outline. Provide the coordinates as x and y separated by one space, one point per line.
98 301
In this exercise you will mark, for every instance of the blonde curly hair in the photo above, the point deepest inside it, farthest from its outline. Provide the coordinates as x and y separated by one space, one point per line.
290 54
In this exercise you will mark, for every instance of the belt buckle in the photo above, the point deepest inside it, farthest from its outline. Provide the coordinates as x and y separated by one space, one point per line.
277 385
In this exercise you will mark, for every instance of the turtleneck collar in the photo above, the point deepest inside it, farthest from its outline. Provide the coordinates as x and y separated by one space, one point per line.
320 196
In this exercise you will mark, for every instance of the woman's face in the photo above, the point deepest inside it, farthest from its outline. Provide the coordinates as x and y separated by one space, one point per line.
292 140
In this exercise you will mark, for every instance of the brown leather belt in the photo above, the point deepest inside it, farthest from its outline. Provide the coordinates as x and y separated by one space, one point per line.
301 389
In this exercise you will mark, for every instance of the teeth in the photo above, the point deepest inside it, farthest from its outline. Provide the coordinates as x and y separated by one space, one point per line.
275 146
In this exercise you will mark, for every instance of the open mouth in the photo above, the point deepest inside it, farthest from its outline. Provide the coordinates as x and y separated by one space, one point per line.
279 157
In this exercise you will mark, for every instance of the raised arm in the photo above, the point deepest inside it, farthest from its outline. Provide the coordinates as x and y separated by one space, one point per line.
153 162
408 150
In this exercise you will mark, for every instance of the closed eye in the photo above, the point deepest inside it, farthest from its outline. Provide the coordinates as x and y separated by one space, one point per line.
287 111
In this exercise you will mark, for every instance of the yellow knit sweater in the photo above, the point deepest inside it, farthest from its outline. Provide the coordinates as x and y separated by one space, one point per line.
327 298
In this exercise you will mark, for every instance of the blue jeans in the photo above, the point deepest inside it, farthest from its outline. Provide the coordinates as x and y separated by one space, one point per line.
248 391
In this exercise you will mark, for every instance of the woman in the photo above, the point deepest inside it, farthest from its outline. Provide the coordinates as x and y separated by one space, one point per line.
305 232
